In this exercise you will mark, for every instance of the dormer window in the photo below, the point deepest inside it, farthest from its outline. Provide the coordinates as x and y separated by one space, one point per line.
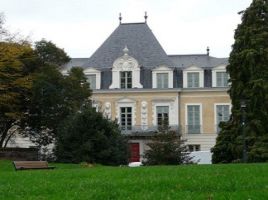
125 72
91 79
219 76
193 77
126 80
221 79
162 80
162 77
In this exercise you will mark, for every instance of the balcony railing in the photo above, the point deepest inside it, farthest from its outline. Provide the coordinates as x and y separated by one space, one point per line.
145 129
193 129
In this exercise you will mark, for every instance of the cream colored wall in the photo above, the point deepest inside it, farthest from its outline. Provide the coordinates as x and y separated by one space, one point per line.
208 100
138 97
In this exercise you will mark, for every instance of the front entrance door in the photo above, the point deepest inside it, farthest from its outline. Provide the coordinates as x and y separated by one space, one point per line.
134 152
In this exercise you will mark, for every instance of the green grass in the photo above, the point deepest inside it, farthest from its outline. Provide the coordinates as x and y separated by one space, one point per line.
235 181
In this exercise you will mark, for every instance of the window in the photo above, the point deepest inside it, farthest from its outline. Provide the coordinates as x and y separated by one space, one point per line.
126 79
194 147
222 114
221 79
193 119
126 118
162 116
193 79
162 80
91 79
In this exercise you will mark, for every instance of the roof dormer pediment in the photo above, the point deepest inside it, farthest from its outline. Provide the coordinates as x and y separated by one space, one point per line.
91 70
193 68
162 68
220 67
125 62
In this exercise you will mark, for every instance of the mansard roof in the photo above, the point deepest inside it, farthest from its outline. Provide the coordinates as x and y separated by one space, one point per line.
75 62
144 47
199 60
140 41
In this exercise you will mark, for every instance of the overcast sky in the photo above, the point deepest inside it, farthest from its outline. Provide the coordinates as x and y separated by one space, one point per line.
81 26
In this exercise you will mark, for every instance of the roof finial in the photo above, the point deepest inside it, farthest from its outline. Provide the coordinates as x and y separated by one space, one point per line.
120 18
145 16
125 50
208 51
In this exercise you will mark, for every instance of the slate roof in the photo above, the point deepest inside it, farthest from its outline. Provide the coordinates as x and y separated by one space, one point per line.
144 47
200 60
140 41
75 62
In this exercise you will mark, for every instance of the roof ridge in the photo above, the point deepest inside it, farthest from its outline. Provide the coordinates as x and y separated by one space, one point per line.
187 55
80 58
129 23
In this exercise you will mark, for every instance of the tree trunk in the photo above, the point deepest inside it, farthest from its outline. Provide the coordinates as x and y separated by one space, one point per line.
9 137
4 133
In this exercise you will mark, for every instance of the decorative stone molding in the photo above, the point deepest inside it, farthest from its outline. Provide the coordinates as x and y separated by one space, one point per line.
96 104
108 110
173 105
126 102
125 63
144 115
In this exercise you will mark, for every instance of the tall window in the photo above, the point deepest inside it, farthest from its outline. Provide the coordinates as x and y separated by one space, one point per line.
162 116
162 80
193 79
126 79
221 79
91 79
126 118
193 117
223 114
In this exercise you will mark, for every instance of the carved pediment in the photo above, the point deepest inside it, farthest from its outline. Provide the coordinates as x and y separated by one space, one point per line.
125 62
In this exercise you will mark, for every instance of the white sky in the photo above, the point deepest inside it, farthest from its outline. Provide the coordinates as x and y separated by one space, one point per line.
81 26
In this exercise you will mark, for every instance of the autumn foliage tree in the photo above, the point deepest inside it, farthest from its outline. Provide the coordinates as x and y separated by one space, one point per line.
16 67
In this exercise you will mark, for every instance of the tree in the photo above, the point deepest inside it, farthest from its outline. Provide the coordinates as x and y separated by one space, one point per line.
87 136
166 148
3 31
248 69
54 97
17 64
50 54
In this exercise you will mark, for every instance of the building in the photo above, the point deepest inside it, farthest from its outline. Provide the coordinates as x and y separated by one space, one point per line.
135 82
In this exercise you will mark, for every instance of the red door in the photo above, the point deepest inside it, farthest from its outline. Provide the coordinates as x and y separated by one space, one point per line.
134 152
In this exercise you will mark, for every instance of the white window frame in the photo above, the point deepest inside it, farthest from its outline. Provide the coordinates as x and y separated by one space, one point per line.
200 115
93 71
215 113
221 68
161 70
157 122
125 63
173 111
190 70
125 73
125 102
120 114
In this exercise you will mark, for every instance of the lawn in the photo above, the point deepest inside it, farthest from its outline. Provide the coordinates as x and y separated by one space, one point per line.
236 181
